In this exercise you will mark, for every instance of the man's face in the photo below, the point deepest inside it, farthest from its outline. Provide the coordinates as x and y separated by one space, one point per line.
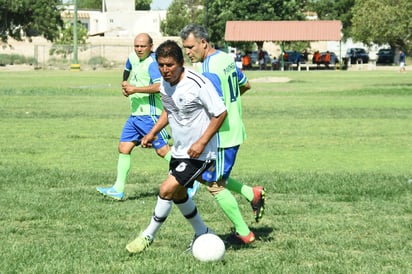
142 46
171 71
195 49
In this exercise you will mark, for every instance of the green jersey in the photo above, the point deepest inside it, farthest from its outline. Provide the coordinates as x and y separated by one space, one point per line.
232 132
144 73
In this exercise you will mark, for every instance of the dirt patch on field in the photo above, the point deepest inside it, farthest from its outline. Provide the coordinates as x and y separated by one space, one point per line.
270 80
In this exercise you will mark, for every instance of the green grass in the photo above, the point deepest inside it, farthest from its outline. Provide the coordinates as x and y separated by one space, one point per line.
333 149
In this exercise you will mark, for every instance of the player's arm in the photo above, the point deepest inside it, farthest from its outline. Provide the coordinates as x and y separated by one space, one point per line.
161 123
244 84
154 88
244 88
215 122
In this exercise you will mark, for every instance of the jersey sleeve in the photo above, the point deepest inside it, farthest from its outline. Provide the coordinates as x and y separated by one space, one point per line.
242 79
128 66
154 72
211 99
215 81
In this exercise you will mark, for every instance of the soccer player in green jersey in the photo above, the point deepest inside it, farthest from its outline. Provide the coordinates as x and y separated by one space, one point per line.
143 91
232 132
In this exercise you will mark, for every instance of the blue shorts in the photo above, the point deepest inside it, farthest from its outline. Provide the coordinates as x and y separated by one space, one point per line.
136 127
186 171
225 161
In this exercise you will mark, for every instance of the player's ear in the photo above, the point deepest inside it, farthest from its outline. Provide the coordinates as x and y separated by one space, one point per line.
204 43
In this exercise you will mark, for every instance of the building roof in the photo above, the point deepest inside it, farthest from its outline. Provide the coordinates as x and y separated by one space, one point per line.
319 30
80 15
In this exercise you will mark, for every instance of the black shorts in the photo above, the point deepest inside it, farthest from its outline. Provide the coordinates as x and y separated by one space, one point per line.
187 170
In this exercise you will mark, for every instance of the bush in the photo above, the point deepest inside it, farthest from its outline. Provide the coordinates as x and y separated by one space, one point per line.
16 59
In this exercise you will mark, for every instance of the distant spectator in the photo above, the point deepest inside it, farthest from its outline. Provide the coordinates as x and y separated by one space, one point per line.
305 55
327 59
275 64
246 62
261 58
238 59
285 56
402 64
316 58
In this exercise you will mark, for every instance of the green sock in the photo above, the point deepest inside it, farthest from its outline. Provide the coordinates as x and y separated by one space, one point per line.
240 188
123 167
168 156
230 207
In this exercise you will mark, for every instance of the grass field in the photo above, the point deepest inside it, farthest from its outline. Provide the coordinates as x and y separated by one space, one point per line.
333 149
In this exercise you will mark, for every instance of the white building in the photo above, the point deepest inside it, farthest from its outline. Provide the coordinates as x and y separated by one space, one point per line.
118 18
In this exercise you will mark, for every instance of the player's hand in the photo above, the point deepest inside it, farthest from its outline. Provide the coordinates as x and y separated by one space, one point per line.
147 140
124 91
195 150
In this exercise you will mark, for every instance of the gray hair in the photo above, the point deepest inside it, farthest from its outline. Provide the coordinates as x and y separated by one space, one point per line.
198 31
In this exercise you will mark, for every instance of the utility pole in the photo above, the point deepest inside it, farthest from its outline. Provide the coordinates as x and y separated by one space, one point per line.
75 66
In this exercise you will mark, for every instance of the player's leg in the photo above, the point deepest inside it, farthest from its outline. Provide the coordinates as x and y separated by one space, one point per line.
255 195
172 189
161 212
230 207
128 141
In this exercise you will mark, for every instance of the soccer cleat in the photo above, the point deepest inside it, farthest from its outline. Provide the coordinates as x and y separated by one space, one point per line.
110 192
236 239
191 191
258 202
139 244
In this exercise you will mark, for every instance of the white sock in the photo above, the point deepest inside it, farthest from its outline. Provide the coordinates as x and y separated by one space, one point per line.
162 210
189 211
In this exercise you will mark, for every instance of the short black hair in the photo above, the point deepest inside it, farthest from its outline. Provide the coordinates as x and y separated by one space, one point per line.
170 48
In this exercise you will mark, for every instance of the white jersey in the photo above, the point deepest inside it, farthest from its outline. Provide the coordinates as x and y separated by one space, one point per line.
190 104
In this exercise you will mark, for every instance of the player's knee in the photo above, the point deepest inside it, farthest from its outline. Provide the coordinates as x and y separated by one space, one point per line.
163 151
216 187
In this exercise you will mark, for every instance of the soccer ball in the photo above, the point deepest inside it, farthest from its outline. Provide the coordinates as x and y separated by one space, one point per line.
208 248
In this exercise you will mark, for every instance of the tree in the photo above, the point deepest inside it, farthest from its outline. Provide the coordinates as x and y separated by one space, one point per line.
335 10
181 13
383 22
143 4
29 18
64 44
88 4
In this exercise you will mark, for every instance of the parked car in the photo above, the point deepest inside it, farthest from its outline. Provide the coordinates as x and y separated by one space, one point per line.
254 58
385 56
333 58
357 54
293 57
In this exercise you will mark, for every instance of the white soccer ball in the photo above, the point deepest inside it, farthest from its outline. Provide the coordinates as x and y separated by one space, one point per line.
208 247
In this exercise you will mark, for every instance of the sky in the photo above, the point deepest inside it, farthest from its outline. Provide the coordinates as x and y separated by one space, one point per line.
160 4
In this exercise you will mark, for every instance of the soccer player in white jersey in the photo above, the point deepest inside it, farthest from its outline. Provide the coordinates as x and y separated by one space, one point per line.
143 91
232 133
194 111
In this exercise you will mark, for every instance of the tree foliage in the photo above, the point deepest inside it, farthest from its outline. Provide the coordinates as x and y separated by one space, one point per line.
29 18
214 14
63 45
335 10
383 22
89 4
143 4
181 13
